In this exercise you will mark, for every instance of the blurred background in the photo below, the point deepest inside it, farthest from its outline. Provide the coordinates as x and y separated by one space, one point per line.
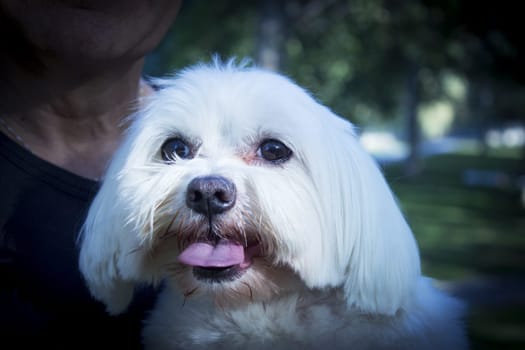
437 89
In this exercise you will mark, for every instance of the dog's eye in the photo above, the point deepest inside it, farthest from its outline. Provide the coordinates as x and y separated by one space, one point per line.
175 148
274 151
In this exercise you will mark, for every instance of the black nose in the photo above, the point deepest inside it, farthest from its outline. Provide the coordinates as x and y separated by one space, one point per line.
210 195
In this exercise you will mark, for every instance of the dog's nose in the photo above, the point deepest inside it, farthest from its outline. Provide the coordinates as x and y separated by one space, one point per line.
210 195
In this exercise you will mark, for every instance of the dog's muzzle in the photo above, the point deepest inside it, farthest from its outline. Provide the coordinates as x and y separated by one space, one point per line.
215 259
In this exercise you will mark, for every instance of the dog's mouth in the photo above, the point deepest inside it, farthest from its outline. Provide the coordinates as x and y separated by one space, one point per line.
218 262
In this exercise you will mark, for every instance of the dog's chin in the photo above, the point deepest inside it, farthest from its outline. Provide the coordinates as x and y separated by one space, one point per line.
235 285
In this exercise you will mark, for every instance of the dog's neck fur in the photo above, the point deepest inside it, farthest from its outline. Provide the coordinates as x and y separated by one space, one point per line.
199 321
303 319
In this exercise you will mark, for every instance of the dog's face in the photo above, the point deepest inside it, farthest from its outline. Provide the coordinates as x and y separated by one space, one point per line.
236 183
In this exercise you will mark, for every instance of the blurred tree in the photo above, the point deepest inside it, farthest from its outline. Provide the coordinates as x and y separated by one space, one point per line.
270 34
366 58
488 49
202 29
370 60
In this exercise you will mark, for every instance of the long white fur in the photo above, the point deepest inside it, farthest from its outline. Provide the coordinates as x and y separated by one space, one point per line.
345 271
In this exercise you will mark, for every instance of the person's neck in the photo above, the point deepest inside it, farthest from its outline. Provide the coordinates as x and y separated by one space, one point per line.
80 128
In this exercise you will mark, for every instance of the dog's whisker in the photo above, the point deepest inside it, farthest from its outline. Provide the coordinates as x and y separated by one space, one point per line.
250 289
245 238
134 250
189 293
242 294
166 234
242 231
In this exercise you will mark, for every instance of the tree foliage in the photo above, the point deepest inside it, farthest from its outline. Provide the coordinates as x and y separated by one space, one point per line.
360 56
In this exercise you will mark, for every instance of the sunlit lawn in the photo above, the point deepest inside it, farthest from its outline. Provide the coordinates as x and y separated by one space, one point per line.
471 232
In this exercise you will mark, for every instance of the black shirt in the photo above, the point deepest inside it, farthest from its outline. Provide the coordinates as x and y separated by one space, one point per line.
43 297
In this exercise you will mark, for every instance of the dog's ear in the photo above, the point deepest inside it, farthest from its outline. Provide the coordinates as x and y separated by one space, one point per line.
101 249
110 259
375 251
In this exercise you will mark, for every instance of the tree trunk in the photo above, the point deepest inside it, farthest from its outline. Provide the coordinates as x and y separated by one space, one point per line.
411 102
270 35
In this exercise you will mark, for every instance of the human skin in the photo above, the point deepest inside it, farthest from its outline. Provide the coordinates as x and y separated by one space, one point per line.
70 72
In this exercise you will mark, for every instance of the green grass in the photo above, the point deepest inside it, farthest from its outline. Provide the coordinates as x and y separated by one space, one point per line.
501 328
467 232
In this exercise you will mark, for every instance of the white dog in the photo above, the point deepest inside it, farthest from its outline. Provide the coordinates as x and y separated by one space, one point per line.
271 226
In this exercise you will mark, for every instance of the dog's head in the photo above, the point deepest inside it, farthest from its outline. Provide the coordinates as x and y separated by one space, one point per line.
234 181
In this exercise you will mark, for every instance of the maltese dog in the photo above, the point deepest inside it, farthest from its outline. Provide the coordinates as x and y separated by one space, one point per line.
267 223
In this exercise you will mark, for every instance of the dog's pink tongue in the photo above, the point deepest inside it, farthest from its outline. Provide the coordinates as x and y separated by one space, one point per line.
206 255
